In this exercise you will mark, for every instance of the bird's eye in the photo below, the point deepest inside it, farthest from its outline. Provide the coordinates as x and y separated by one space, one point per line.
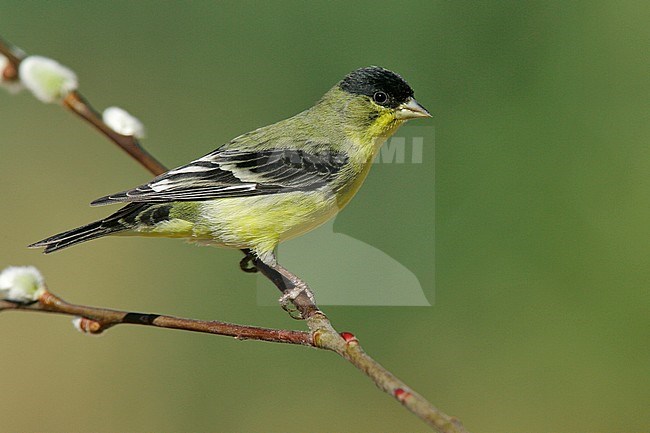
380 97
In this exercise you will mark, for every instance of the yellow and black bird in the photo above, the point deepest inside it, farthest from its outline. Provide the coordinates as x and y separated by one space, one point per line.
270 184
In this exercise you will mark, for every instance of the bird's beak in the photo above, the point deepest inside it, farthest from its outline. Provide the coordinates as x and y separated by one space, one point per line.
411 109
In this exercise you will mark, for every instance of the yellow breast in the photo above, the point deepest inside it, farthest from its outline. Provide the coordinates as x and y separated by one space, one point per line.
261 222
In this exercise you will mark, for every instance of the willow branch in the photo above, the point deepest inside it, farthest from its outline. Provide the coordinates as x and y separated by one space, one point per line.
322 334
94 320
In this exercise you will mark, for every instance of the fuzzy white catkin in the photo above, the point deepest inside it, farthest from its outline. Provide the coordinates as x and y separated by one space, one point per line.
21 284
77 322
123 122
48 80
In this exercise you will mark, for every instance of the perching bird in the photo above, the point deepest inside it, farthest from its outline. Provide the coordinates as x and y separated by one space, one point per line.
270 184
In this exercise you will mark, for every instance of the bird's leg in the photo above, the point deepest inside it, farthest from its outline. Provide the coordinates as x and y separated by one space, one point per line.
295 291
247 263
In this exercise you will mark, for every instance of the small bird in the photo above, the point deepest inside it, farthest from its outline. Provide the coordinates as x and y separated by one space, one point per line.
270 184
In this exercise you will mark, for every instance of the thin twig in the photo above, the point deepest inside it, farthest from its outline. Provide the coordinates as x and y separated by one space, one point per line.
76 103
80 106
15 56
99 320
322 335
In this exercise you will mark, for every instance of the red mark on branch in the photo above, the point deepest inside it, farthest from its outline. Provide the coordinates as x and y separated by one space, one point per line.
401 395
349 337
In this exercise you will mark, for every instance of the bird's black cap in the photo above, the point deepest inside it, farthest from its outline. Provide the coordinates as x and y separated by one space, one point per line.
373 79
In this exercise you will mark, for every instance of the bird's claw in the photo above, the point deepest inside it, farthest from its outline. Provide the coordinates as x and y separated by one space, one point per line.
292 310
286 300
246 264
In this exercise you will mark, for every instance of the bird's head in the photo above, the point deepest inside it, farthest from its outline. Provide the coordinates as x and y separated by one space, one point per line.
378 101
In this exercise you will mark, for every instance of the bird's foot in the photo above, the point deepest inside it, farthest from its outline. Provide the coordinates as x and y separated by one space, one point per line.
286 300
247 263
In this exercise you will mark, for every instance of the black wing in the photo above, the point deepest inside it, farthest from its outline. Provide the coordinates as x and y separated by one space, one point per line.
234 173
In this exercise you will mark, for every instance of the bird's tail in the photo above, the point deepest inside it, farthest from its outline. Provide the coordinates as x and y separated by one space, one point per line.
123 219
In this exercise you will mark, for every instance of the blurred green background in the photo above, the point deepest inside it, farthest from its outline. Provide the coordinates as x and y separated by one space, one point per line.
528 229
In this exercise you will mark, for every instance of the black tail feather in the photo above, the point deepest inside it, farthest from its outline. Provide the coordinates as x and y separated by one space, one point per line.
81 234
121 220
